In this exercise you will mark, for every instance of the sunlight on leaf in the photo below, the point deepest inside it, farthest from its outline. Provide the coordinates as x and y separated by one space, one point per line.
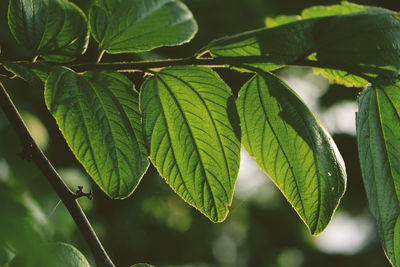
339 9
291 146
192 130
279 20
98 114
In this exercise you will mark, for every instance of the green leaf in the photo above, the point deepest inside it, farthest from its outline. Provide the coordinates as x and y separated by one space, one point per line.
364 44
378 136
98 21
54 29
339 76
280 20
142 265
24 223
291 146
111 5
360 40
316 11
269 48
192 130
98 114
52 254
343 8
140 25
35 74
397 240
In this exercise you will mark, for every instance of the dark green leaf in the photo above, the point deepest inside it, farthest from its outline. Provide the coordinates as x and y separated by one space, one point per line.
98 114
378 136
358 40
110 5
192 130
140 25
51 254
142 265
54 29
364 44
33 73
397 240
269 48
98 19
291 146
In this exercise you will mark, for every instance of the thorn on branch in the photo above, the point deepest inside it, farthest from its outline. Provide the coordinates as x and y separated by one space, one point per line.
79 193
27 152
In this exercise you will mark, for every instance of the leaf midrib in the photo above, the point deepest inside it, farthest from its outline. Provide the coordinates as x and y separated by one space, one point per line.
371 102
280 145
125 119
213 122
196 147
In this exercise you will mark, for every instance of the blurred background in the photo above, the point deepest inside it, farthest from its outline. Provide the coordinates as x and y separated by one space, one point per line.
154 225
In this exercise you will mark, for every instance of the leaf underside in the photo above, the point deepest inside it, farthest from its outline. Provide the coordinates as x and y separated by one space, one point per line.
98 114
378 137
54 29
291 146
192 131
140 25
35 74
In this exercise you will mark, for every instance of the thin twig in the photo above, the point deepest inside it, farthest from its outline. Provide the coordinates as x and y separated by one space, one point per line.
32 151
219 62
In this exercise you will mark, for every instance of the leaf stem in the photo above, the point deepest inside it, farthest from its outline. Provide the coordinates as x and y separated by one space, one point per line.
32 151
99 54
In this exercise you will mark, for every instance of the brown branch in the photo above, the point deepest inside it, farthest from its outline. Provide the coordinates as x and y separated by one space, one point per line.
32 151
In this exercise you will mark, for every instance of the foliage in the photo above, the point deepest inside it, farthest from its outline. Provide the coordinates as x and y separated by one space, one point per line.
185 118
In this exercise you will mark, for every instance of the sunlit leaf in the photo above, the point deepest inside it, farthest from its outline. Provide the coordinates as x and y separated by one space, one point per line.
192 130
54 29
98 114
140 25
279 20
339 9
378 136
291 146
339 76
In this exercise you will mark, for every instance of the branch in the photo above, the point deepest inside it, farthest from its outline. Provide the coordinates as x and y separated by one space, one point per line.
219 62
32 151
